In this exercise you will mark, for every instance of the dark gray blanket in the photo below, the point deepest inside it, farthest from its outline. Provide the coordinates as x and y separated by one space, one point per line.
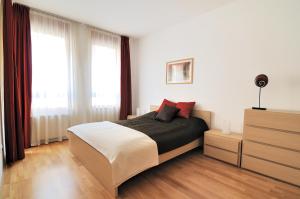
168 136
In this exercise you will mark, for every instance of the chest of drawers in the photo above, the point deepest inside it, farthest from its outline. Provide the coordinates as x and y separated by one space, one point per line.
271 144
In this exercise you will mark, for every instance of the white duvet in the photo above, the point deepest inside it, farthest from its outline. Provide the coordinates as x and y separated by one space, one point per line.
129 151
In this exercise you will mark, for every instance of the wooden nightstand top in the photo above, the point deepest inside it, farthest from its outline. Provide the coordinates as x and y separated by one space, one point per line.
217 132
131 116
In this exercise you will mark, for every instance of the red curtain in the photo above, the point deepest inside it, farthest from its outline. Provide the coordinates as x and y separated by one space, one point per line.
17 79
126 106
23 63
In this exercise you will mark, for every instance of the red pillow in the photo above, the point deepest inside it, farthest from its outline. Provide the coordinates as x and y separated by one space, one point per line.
166 102
186 109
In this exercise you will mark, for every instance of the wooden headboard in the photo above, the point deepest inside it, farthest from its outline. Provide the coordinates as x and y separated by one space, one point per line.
205 115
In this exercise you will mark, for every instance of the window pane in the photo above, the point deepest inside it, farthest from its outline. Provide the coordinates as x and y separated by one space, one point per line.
105 76
49 73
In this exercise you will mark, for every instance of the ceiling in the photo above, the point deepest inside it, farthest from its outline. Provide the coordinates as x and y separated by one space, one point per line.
129 17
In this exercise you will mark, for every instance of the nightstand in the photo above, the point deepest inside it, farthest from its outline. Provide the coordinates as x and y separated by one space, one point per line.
225 147
131 116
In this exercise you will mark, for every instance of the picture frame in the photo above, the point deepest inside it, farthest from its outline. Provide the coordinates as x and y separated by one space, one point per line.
180 71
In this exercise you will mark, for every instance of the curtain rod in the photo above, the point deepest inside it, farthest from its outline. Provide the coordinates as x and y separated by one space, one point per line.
68 19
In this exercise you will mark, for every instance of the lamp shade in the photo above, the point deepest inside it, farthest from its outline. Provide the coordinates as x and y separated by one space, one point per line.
261 80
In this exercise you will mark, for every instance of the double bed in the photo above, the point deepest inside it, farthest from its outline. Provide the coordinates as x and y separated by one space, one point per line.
115 152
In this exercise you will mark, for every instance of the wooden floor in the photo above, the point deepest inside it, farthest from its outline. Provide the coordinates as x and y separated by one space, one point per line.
52 172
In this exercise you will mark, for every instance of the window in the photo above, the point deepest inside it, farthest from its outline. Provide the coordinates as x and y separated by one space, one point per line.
105 71
70 84
50 65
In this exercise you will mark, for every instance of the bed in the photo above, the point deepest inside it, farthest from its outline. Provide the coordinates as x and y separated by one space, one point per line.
98 162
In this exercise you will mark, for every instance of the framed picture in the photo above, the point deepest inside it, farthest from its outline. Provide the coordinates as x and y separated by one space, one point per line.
180 71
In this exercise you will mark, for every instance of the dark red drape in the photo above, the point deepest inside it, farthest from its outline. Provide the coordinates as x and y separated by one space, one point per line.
126 107
17 79
23 63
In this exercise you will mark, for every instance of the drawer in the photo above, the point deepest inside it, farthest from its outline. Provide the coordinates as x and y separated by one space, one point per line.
274 170
222 142
272 119
279 155
220 154
273 137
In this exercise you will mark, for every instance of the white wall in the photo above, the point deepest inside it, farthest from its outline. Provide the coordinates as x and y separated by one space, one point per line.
134 71
230 45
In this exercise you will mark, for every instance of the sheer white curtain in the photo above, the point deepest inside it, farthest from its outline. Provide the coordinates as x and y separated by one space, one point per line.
105 75
75 76
51 78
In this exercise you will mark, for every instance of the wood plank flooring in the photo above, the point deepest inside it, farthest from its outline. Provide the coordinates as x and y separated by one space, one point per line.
51 172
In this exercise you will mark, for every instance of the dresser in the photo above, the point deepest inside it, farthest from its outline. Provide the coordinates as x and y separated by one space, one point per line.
271 144
225 147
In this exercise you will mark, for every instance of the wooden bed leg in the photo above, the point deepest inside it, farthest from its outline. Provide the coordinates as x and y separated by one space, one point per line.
114 192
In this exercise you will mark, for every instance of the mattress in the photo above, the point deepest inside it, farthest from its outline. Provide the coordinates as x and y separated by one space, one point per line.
168 135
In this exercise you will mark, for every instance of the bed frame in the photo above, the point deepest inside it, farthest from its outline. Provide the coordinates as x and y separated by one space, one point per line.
100 167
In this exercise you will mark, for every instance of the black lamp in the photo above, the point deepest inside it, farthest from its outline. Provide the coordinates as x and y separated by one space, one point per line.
260 81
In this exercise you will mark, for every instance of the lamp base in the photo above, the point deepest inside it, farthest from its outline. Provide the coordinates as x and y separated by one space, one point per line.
258 108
